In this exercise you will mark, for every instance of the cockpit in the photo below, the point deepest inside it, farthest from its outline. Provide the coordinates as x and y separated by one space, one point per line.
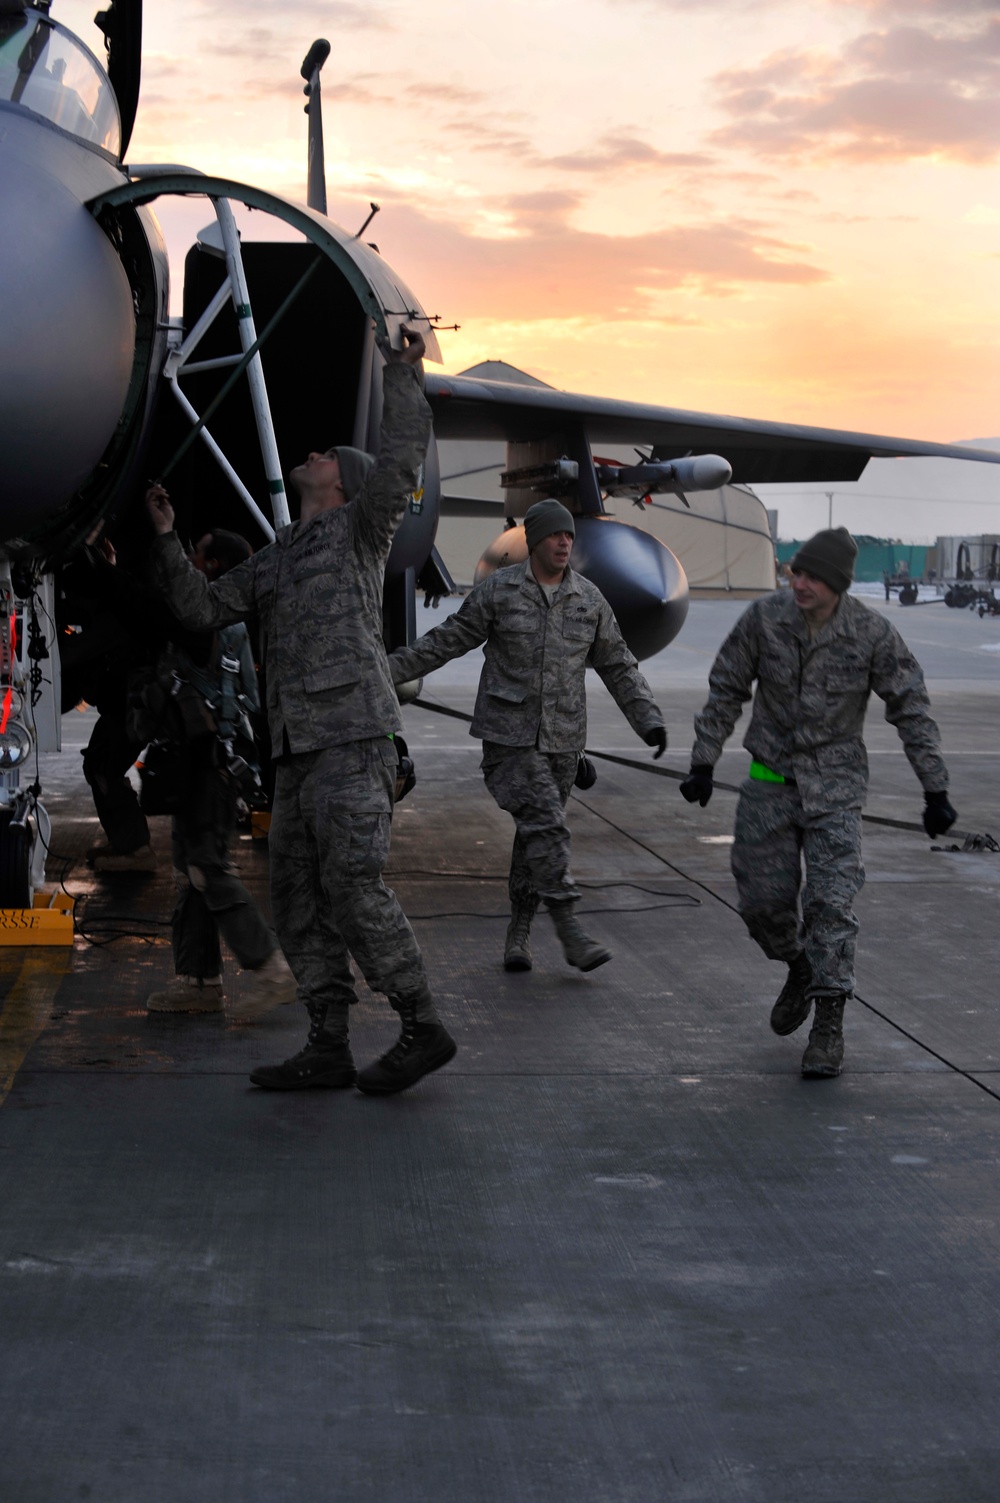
47 70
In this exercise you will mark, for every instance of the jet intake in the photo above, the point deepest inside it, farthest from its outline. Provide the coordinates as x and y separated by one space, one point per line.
67 336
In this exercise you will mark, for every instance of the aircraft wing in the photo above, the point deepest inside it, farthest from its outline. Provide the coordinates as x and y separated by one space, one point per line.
466 407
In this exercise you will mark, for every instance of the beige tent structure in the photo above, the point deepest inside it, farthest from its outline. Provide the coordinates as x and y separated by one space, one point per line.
722 539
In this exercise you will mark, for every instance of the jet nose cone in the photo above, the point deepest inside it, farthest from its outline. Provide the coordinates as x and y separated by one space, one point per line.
67 340
642 581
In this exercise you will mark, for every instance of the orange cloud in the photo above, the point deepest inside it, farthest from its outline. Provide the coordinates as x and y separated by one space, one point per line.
327 16
545 267
938 9
900 94
490 135
616 153
362 88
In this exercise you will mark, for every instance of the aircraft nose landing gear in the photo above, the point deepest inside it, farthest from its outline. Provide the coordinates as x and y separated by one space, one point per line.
15 861
29 703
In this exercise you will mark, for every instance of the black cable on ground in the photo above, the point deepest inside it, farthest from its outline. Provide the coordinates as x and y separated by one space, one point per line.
975 842
87 932
605 913
927 1048
680 899
869 819
957 1069
670 773
606 819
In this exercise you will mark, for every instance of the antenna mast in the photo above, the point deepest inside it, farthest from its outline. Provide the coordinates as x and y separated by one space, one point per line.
314 60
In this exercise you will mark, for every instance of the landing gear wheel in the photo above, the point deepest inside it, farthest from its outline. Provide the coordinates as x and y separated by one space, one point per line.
15 863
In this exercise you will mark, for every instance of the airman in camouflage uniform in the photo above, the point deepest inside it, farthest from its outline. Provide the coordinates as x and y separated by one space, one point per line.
815 654
332 711
543 626
216 668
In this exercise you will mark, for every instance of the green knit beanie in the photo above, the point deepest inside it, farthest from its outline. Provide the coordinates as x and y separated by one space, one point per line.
830 556
355 465
545 517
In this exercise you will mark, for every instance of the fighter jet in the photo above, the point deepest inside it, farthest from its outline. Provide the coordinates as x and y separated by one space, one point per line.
100 389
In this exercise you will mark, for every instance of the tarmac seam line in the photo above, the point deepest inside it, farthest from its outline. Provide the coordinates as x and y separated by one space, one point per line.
942 1059
454 1072
927 1048
680 775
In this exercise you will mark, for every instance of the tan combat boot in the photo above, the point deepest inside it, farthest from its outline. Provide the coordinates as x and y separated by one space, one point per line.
824 1056
270 985
110 861
189 994
792 1007
580 950
517 951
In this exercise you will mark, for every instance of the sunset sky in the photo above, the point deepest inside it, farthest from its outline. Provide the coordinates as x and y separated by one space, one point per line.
769 209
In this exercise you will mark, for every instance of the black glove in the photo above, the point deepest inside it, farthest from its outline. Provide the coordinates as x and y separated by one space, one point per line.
656 737
939 816
586 773
697 786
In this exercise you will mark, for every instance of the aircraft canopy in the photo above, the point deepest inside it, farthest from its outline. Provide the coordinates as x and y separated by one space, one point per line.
47 70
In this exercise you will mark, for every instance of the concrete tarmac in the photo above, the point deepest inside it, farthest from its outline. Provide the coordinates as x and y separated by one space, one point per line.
618 1251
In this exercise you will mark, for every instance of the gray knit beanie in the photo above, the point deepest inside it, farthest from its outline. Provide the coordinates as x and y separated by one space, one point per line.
545 517
830 556
355 466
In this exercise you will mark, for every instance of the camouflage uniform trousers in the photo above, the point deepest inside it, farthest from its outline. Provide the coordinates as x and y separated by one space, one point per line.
785 914
533 786
328 843
212 899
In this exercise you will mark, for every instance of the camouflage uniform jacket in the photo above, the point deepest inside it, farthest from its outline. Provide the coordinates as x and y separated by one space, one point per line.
532 691
812 692
317 593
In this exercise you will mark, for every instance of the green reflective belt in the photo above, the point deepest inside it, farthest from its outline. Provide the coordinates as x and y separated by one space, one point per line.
764 774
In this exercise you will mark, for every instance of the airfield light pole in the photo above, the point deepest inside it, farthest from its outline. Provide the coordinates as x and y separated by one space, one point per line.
313 62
